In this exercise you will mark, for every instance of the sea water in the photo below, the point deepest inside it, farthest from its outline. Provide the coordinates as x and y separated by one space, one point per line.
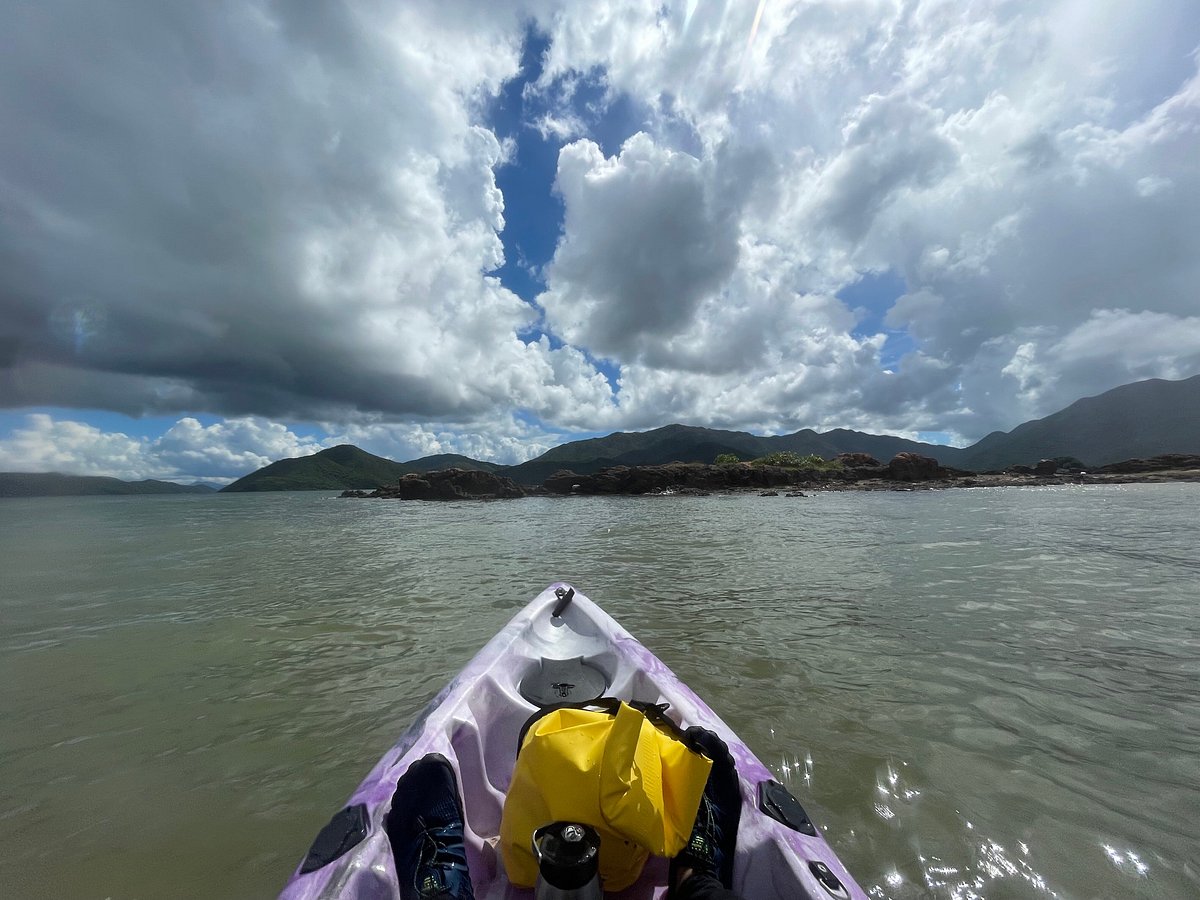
975 693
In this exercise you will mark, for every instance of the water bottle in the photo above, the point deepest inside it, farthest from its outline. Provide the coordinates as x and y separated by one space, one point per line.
568 856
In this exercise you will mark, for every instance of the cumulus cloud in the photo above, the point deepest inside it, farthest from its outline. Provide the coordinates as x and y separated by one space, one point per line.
1027 170
1114 343
187 451
890 144
647 237
291 212
227 449
224 451
258 208
75 448
506 440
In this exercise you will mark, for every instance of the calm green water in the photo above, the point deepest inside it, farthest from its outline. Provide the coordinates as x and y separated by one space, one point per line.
990 693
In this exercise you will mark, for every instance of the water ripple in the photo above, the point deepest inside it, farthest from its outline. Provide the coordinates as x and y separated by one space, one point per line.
975 693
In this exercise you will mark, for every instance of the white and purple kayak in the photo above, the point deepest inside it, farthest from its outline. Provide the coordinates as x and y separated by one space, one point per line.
559 648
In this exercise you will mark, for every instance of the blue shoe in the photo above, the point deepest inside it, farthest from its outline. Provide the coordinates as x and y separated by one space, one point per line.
425 827
710 848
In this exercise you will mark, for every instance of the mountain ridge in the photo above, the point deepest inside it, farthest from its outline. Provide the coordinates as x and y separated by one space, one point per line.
56 484
1137 420
1140 419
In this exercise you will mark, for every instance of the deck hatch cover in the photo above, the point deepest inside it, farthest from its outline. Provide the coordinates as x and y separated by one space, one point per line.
555 681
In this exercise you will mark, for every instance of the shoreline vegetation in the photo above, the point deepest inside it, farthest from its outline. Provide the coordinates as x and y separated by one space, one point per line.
788 472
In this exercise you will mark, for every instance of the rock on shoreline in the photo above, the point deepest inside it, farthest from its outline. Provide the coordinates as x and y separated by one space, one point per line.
851 469
446 484
858 472
849 472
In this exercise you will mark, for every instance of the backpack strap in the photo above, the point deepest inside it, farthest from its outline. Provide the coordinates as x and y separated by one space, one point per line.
655 713
609 705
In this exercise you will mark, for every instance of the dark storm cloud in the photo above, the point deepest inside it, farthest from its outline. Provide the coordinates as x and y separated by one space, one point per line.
217 201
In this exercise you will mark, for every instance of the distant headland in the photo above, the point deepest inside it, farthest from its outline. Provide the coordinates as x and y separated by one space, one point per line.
1138 421
1135 426
54 484
780 472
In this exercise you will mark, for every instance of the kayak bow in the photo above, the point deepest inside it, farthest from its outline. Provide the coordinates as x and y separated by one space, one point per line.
560 648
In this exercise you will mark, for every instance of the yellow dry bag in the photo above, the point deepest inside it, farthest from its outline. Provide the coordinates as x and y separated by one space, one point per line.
625 772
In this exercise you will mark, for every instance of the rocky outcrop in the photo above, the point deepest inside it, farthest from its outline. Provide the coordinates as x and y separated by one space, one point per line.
447 484
564 481
914 467
691 477
861 466
680 478
856 460
1167 462
1045 468
857 471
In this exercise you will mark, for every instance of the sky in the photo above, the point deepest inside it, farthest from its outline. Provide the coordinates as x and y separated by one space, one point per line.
232 232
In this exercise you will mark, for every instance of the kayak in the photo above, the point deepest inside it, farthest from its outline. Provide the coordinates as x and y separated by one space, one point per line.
561 648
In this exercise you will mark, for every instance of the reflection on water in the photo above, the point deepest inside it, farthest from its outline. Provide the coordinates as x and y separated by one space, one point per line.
975 693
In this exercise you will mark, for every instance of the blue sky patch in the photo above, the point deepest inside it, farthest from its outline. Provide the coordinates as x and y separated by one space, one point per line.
611 121
870 298
935 437
533 214
151 427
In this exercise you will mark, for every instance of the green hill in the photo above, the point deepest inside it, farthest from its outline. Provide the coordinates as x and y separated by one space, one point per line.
335 469
672 443
685 443
450 461
1143 419
343 467
52 484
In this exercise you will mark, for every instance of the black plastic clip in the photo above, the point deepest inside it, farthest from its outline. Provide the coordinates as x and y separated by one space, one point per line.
565 596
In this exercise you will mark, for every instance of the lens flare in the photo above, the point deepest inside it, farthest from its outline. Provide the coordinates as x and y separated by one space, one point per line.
757 18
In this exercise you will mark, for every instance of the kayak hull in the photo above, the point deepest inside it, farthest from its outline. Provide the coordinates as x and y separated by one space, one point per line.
475 723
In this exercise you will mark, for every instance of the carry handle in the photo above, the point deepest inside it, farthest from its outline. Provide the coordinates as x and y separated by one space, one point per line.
565 596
